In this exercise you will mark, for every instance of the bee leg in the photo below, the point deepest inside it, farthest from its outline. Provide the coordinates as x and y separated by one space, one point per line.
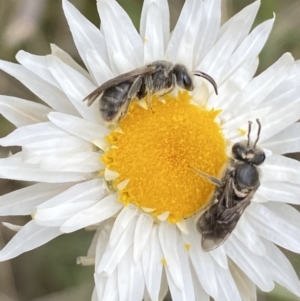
173 85
150 88
135 87
123 110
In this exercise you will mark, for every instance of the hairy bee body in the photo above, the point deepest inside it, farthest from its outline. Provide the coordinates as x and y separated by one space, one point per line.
228 203
112 106
233 193
159 77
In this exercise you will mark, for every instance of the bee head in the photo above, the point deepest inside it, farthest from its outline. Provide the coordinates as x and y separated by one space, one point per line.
247 151
183 78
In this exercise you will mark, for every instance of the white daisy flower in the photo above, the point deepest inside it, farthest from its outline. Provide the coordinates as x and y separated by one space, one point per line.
132 183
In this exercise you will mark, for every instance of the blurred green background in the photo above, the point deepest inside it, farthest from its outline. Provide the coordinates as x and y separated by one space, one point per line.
50 272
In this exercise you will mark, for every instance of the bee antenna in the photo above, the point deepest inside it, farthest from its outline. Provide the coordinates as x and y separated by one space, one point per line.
211 179
258 132
207 77
249 132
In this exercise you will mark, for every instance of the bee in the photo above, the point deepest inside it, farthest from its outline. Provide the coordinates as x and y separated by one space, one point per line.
232 194
159 77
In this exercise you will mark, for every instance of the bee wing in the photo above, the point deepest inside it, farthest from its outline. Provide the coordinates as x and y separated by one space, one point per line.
225 222
116 81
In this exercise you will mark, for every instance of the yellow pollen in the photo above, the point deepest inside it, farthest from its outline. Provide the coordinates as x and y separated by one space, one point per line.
164 262
187 247
242 131
154 150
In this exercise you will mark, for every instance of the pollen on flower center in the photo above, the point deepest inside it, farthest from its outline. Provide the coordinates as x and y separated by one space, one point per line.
154 150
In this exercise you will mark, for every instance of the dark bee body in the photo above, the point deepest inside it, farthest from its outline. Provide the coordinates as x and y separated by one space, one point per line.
159 77
232 194
111 106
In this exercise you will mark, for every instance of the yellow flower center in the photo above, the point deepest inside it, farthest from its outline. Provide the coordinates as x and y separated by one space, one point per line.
154 150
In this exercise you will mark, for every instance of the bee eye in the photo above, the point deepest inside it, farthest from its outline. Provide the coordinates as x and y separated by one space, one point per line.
260 159
188 83
237 151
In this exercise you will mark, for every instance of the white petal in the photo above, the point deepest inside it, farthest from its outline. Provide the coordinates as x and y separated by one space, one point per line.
85 34
33 133
14 168
163 18
188 289
281 269
219 255
123 220
202 261
45 91
249 48
28 238
22 112
274 123
89 131
56 216
259 198
279 102
141 234
181 45
152 265
113 255
153 38
247 14
245 286
260 87
22 201
103 210
35 152
232 126
67 59
120 34
122 185
122 63
286 141
291 82
94 295
80 162
100 70
227 287
130 278
233 85
182 226
273 227
15 228
279 168
168 237
286 212
200 293
85 261
164 288
208 29
38 65
163 217
251 264
59 208
217 57
110 175
76 87
104 231
106 287
247 235
280 192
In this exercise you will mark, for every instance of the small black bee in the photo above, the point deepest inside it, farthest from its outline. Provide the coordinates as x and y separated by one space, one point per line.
232 194
160 77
